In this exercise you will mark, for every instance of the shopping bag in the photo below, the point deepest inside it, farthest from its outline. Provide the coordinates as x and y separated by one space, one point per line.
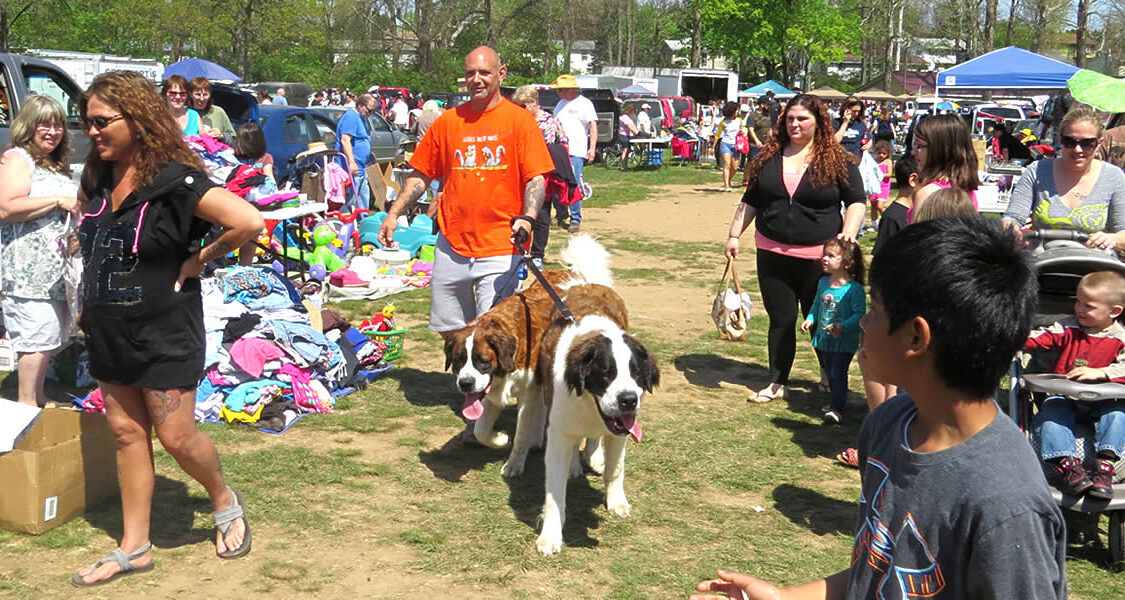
731 308
71 275
741 143
872 176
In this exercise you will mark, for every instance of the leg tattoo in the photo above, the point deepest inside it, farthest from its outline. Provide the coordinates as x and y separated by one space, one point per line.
163 403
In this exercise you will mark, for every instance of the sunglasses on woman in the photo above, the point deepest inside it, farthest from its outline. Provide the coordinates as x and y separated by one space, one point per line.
101 123
1088 144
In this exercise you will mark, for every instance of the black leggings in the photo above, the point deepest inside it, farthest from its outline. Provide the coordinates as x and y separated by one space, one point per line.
785 281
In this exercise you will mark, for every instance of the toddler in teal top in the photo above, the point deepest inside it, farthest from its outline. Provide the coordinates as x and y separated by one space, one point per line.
834 319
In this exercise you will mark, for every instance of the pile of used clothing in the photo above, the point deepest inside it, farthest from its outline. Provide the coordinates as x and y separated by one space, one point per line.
272 356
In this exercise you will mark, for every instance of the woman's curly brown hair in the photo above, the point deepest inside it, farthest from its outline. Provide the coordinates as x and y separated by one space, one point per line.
158 134
829 161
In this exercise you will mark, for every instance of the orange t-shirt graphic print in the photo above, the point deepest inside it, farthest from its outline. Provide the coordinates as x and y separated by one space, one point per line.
486 160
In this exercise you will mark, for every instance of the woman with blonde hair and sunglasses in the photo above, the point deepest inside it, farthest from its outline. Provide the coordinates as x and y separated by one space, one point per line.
36 194
1074 191
147 205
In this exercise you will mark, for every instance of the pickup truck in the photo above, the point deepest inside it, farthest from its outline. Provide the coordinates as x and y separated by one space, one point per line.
22 76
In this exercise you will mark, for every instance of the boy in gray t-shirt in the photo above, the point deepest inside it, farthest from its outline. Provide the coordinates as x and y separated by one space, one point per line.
954 502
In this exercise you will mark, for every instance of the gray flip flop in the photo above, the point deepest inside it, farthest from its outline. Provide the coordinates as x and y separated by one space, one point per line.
223 520
125 561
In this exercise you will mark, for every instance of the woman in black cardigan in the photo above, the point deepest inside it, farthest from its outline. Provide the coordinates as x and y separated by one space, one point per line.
798 184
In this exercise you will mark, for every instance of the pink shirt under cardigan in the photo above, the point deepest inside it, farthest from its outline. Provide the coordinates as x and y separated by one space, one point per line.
791 181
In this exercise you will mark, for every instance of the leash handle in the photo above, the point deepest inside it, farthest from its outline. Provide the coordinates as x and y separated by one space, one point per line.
522 236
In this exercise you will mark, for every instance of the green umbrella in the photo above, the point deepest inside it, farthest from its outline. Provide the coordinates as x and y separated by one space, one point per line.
1100 91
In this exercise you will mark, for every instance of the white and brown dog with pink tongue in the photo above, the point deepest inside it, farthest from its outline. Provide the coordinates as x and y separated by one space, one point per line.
597 375
495 357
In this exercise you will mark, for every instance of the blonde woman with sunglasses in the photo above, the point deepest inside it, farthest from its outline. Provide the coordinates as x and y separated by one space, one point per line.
1074 191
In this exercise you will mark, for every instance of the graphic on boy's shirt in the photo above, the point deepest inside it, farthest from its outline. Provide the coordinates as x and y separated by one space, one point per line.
876 546
828 303
476 154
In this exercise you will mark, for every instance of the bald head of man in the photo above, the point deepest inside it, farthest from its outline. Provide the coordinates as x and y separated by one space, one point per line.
483 74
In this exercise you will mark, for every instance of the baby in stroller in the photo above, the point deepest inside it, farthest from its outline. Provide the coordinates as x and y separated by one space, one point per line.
1091 347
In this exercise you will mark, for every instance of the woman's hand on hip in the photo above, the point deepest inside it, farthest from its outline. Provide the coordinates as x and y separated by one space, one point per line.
731 250
191 269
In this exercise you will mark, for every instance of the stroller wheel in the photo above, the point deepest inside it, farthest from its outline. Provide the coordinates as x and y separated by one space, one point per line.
1116 536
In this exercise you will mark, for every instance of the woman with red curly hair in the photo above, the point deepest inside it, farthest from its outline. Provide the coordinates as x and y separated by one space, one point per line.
798 183
147 204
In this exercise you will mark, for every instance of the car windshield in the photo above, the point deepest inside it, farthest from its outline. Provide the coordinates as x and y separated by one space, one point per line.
1006 112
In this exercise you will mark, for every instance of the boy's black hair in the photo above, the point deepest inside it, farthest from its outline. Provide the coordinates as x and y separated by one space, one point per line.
904 168
970 278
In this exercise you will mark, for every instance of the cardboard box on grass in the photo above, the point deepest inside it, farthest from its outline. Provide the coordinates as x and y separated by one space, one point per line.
61 464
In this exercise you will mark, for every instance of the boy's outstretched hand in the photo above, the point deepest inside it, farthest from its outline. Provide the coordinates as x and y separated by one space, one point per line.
737 586
1087 374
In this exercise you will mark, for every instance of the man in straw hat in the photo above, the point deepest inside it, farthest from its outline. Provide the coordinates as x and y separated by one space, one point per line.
579 120
492 158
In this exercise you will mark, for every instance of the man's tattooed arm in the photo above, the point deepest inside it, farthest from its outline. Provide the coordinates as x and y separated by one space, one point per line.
533 194
415 186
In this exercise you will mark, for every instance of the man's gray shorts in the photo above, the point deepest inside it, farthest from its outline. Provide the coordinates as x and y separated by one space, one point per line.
464 287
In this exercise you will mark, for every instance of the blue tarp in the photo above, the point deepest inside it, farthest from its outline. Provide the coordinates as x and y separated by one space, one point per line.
1009 67
765 86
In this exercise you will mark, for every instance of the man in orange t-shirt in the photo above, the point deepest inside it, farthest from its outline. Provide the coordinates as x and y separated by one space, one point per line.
492 158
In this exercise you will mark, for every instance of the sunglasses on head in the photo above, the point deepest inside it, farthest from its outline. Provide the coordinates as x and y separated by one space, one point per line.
1088 144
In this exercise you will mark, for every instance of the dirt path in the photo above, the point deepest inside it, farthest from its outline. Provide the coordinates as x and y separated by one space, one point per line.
356 550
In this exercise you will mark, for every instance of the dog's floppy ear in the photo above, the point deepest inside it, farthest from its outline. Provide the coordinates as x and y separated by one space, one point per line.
504 346
641 365
579 361
454 342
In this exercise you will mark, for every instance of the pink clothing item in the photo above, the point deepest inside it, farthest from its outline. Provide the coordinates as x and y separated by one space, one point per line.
336 179
884 184
94 402
210 144
807 252
791 181
941 183
303 394
278 197
251 354
344 277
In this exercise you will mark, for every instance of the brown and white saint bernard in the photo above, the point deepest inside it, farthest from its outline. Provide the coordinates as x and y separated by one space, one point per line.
597 375
495 357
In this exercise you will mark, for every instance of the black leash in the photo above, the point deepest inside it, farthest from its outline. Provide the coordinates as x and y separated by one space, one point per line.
522 237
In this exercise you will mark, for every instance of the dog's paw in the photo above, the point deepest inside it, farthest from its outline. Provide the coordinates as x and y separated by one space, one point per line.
549 544
619 508
498 439
512 468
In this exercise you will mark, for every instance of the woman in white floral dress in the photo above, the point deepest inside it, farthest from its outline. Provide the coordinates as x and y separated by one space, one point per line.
36 193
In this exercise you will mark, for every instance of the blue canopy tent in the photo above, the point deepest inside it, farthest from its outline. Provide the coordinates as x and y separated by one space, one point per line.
766 86
191 68
1010 67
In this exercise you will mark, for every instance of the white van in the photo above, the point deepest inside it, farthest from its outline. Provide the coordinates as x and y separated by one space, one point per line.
985 114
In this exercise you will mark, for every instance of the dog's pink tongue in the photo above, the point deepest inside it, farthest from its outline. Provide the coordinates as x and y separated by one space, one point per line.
473 409
634 426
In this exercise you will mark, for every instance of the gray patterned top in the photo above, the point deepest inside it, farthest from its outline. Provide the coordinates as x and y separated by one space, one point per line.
31 257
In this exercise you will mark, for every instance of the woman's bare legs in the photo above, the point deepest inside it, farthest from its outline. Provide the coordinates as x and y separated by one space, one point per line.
728 170
32 368
132 413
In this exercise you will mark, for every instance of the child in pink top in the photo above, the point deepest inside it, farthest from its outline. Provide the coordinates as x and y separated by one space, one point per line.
886 167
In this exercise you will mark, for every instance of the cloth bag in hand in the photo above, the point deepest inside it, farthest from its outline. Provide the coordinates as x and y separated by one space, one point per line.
71 275
731 309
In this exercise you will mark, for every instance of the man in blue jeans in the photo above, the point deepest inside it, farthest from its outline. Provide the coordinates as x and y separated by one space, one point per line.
354 140
579 120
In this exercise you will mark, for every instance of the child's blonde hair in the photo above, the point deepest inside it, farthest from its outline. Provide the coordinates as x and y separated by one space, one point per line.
1110 281
946 202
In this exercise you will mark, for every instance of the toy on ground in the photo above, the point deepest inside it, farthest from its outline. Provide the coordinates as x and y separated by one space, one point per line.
384 321
325 242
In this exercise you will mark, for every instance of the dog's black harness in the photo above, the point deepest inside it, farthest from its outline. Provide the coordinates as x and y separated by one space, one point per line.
522 237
